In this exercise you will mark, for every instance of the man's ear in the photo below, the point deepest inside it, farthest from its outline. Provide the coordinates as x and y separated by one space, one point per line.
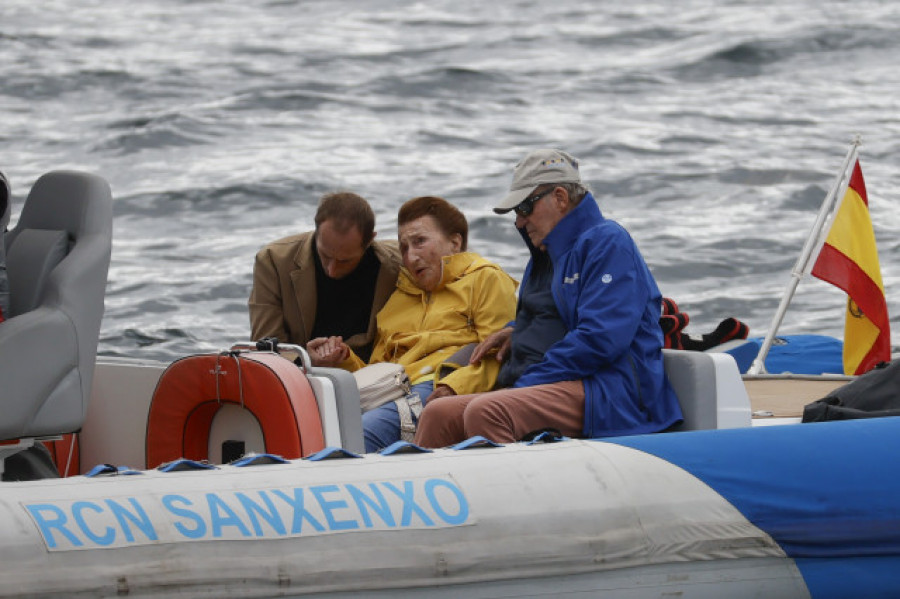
561 197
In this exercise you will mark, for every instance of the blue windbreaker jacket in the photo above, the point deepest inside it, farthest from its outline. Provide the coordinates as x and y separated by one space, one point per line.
610 305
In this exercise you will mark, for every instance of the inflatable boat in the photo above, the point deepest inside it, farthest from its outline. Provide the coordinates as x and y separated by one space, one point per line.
240 473
799 510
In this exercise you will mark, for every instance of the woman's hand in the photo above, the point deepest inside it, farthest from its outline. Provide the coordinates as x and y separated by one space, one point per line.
499 341
440 391
327 351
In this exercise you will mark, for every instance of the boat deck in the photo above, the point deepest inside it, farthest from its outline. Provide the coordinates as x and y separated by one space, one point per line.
784 396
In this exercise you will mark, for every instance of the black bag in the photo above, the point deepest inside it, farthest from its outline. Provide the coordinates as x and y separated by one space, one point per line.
871 395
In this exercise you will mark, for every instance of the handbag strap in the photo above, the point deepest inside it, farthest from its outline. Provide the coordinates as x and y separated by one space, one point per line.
409 408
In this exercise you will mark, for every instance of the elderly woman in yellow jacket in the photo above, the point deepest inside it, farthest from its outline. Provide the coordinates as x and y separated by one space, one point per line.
446 298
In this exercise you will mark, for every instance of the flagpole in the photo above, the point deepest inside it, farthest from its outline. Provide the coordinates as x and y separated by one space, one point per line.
812 242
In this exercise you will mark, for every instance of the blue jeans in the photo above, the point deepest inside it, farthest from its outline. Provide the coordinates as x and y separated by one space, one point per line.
381 426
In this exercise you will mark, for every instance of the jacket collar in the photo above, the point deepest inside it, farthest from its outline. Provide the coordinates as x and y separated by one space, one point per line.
584 216
303 258
455 266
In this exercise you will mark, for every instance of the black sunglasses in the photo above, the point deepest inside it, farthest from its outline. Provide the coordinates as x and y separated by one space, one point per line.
526 206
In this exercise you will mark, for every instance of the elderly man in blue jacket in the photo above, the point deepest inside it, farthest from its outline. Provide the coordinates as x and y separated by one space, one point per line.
584 355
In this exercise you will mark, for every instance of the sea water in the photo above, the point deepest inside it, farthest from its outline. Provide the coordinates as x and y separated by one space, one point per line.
711 130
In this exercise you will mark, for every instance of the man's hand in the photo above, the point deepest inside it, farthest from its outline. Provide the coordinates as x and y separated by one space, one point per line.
327 351
499 341
440 391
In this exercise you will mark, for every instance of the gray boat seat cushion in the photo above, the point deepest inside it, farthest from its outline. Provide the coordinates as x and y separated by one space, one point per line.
693 377
57 258
349 414
30 261
709 388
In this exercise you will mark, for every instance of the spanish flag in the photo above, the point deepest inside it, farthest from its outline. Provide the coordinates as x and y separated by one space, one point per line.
849 260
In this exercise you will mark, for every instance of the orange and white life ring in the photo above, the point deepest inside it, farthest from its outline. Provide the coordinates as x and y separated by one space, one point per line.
193 389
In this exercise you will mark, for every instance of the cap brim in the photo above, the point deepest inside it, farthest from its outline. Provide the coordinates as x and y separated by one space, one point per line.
512 200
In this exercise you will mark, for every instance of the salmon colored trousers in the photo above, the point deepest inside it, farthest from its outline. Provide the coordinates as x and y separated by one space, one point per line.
503 416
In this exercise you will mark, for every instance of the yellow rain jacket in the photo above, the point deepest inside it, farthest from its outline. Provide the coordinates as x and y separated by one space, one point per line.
420 330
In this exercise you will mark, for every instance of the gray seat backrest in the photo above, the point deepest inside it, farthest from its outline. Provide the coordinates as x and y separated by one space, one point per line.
348 410
693 378
459 359
709 388
30 261
57 257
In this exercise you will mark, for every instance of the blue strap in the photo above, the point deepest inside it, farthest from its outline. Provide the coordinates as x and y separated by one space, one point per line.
331 453
475 442
403 447
183 464
260 459
110 470
547 437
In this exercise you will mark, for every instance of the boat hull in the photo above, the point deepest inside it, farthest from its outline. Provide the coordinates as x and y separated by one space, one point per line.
582 518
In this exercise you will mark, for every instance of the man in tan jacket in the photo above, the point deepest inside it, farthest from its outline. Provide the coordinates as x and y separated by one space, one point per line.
327 282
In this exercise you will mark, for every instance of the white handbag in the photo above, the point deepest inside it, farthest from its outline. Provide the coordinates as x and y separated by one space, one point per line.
380 383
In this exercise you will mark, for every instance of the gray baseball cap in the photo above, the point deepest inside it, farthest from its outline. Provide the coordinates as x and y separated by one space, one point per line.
538 168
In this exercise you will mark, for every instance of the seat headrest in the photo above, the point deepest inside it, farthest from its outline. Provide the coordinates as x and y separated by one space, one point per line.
62 200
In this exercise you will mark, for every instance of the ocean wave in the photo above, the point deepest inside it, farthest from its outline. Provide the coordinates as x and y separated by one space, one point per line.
444 82
172 129
771 176
226 200
286 97
38 86
752 57
158 344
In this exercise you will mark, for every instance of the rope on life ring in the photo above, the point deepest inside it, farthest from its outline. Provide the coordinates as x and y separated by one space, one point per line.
271 388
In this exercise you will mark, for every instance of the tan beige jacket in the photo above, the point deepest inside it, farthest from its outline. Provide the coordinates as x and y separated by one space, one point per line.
283 299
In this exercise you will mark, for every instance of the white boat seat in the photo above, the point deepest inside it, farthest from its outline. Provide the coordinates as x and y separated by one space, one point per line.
57 258
327 401
709 389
